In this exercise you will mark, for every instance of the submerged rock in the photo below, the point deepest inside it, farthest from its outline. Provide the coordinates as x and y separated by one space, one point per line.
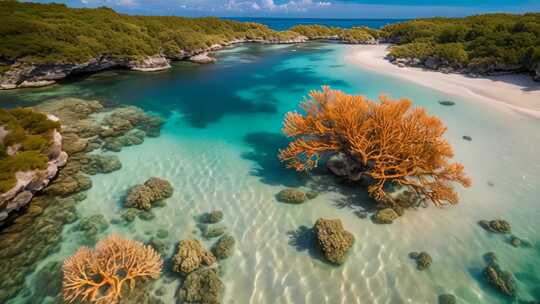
202 287
153 190
467 138
190 256
212 217
501 280
333 240
423 260
447 299
91 226
446 102
95 163
212 232
159 245
130 214
497 226
224 247
385 216
292 196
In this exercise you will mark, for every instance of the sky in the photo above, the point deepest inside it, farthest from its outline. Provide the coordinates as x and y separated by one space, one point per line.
311 8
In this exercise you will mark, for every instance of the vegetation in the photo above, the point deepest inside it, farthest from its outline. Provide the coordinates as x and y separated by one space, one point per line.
31 131
391 143
42 33
482 43
98 276
352 35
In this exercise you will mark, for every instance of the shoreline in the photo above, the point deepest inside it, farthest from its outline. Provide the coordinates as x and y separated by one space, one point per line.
517 92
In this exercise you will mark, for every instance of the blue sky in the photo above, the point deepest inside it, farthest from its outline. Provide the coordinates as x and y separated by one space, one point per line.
311 8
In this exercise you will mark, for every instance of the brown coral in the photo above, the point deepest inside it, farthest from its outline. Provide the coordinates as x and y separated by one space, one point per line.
391 142
190 256
97 276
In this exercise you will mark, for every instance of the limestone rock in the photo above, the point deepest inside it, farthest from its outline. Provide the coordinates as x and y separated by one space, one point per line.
333 240
191 256
150 64
202 58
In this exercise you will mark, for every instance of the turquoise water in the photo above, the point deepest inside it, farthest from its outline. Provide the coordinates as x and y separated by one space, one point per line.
218 148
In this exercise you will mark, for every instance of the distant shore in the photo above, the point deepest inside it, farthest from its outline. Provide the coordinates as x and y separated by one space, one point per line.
517 92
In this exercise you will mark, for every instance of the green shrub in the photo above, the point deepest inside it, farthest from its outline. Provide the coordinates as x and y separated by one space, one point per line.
420 50
22 161
454 53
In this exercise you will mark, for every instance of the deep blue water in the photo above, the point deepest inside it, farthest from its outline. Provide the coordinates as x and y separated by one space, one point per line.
286 23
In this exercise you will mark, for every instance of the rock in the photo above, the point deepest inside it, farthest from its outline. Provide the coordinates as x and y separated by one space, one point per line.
333 240
201 287
146 215
191 256
423 261
292 196
91 226
496 226
501 280
202 58
212 217
224 247
466 137
343 165
130 214
159 245
432 63
447 299
516 242
212 232
150 64
96 163
446 102
385 216
65 185
162 233
143 196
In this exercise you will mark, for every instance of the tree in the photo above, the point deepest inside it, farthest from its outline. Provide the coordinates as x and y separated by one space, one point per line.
392 143
97 276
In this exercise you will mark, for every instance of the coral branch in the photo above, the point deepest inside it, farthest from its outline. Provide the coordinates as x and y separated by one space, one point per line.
393 143
97 276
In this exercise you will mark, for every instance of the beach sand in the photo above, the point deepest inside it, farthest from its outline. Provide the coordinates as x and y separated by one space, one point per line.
517 92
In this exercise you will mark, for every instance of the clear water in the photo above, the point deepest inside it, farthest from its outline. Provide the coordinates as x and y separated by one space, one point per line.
218 148
281 24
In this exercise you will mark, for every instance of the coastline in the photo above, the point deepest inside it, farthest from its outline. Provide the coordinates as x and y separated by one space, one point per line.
517 91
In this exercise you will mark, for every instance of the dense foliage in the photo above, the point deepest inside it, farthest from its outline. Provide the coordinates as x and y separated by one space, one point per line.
31 132
483 43
352 35
386 142
55 33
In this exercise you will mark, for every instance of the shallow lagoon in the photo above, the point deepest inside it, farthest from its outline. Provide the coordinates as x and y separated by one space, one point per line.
218 148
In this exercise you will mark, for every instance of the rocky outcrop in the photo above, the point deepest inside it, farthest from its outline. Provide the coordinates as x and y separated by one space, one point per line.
153 190
333 240
191 256
30 182
150 64
294 196
202 58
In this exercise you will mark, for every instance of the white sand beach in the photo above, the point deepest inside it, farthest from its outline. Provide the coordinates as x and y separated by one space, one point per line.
517 92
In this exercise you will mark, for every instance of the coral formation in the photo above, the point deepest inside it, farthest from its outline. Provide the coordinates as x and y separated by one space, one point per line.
385 216
191 256
294 196
423 260
501 280
391 144
333 240
212 217
143 196
202 286
98 276
496 226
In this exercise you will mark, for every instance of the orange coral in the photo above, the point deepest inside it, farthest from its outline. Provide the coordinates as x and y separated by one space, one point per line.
392 142
97 276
